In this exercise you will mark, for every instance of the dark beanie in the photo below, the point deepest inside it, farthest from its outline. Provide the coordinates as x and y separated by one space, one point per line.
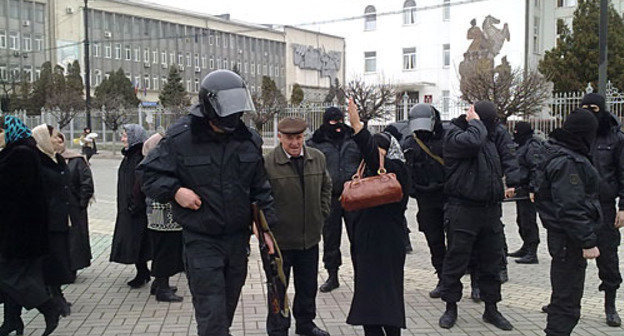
594 99
582 123
523 127
382 140
486 110
332 113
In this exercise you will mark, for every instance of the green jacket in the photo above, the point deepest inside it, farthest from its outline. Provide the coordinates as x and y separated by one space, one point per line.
301 217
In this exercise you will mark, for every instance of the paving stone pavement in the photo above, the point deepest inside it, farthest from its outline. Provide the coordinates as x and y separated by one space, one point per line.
104 305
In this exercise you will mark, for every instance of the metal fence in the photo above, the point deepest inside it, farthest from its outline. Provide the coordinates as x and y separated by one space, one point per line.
159 119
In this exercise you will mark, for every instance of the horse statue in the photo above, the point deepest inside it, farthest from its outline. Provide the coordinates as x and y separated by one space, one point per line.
496 37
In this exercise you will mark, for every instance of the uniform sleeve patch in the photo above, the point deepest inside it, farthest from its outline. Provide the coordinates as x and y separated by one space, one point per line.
575 179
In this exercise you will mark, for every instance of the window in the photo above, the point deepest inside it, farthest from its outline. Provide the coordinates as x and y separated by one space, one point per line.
128 76
27 12
39 43
253 68
196 85
225 63
232 65
188 59
446 10
211 38
39 13
370 18
211 63
232 44
259 69
196 59
155 56
265 70
128 53
137 54
180 59
446 55
536 33
409 12
566 3
409 58
15 72
370 61
446 101
225 41
172 58
163 57
3 39
14 43
146 82
561 26
37 73
163 80
270 70
3 72
146 56
137 82
188 85
156 82
28 75
217 39
27 42
97 77
246 67
108 51
95 49
117 50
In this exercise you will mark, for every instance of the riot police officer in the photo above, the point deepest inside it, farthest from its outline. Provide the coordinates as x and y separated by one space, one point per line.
423 152
210 167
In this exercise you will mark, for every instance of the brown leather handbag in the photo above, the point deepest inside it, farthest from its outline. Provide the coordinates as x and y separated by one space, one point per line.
363 193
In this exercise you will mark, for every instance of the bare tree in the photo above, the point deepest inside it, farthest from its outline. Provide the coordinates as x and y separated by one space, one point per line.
371 100
270 102
514 92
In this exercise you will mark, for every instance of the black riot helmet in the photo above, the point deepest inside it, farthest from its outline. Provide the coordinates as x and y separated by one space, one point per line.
223 98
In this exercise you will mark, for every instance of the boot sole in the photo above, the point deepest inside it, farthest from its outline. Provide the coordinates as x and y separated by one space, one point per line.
507 328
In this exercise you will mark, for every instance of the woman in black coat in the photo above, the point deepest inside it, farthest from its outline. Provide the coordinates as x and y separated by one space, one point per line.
55 175
131 244
81 192
378 249
23 229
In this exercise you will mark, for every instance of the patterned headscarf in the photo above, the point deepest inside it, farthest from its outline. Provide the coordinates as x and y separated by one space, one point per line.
15 130
136 134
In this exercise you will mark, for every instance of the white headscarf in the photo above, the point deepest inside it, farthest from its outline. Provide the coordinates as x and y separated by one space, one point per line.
44 141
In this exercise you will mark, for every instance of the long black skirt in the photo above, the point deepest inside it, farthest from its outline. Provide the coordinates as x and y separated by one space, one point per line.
22 281
57 269
167 253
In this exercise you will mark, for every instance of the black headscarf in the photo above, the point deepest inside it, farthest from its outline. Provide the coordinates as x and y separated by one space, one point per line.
522 133
604 118
488 115
578 132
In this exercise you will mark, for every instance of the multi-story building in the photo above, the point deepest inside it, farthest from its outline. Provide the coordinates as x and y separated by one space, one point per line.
24 39
419 45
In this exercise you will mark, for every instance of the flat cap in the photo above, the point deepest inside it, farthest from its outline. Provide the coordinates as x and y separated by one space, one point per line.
292 126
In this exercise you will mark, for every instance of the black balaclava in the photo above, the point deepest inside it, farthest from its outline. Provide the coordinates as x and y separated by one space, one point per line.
488 115
335 131
604 118
578 132
522 133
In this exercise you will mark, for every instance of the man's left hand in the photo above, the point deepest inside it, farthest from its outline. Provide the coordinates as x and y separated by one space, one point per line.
619 219
510 192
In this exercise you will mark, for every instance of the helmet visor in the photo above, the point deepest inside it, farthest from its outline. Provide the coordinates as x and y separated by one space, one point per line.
231 101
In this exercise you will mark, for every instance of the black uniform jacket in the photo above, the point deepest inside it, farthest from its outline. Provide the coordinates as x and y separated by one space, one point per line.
227 175
567 199
608 158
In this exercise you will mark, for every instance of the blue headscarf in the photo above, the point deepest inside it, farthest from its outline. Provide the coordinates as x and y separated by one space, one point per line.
15 130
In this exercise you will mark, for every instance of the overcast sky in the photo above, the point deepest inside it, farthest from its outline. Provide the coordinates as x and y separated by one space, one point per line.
267 11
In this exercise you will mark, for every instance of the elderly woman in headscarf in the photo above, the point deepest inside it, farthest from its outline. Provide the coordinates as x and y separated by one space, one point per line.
166 236
377 248
23 229
131 244
81 193
55 175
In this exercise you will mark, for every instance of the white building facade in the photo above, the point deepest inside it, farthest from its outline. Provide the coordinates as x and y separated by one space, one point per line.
418 45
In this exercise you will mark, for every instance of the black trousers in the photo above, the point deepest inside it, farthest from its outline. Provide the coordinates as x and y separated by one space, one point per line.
527 225
431 223
332 234
216 268
608 242
567 279
471 230
304 265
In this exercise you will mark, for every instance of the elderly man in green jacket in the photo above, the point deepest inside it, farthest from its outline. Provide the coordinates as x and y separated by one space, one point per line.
302 191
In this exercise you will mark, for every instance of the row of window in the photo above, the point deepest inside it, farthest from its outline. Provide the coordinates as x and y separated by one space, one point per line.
13 72
14 42
27 11
166 59
134 26
409 59
409 14
150 83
